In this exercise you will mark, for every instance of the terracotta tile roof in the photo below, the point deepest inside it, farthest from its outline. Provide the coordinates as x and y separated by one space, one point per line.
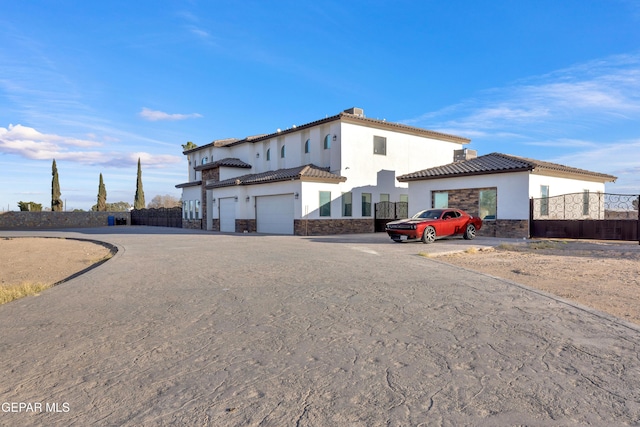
501 163
228 162
305 173
189 184
345 117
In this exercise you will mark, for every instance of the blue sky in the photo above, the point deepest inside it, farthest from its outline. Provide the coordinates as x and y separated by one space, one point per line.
96 85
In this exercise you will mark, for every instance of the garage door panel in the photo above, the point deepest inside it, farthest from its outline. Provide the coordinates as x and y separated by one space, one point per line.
274 214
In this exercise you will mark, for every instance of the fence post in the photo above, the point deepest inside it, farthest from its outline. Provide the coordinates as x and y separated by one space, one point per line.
530 217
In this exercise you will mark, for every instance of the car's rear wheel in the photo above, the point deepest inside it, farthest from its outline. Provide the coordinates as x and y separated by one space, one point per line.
429 235
470 232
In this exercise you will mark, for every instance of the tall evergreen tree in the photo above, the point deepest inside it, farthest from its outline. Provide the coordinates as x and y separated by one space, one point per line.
102 196
138 201
56 201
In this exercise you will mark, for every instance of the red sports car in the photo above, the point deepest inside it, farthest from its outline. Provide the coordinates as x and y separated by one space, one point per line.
433 224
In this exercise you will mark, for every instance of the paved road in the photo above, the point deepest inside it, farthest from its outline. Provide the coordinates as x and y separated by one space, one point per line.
193 328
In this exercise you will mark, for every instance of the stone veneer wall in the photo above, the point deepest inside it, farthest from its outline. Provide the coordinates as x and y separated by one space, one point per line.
319 227
246 225
192 224
207 175
47 219
215 224
467 199
512 228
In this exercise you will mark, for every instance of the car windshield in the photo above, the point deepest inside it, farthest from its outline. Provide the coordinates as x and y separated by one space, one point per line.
429 214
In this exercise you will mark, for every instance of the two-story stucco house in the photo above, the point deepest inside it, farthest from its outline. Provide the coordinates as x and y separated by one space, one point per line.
323 177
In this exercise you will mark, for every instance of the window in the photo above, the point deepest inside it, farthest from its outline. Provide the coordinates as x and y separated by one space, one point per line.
488 204
268 154
441 200
327 142
190 209
366 204
204 160
282 152
346 204
380 145
325 203
185 209
384 197
404 198
306 146
544 203
585 202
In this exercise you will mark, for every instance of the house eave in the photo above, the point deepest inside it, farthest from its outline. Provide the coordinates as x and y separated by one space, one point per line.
465 174
189 184
584 176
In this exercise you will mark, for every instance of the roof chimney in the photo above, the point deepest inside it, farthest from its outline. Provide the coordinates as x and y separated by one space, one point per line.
464 154
355 111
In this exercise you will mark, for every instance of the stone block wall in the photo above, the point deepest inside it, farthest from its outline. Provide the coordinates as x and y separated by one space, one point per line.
37 220
512 228
319 227
192 224
467 199
246 225
508 228
207 175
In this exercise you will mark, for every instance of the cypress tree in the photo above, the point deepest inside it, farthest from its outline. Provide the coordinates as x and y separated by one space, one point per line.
102 196
56 201
138 202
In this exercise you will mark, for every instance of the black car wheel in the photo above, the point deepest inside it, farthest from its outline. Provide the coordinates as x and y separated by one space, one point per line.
429 235
470 232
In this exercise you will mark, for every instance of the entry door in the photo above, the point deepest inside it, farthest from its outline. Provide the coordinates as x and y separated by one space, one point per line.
274 214
227 214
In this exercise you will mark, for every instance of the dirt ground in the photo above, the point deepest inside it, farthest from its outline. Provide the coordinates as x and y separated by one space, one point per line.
46 260
597 274
601 275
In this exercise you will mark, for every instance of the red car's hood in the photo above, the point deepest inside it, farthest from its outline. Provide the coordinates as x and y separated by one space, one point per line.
410 221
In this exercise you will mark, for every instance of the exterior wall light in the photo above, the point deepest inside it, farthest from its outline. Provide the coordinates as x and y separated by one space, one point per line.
296 196
335 137
236 198
248 198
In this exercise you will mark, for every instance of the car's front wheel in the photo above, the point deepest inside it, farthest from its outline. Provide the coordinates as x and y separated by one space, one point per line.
429 235
470 232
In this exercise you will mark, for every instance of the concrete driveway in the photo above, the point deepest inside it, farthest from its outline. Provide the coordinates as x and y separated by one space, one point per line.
193 328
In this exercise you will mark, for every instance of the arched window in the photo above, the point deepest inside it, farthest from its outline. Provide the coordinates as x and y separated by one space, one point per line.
282 152
268 154
204 160
327 142
306 146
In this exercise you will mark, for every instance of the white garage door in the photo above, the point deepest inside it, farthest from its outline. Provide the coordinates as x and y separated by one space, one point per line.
274 214
228 214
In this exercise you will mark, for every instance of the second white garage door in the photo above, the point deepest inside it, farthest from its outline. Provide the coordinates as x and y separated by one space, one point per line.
274 214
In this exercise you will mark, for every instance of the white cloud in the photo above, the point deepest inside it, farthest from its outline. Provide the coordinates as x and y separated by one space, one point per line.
564 142
29 143
200 32
154 116
584 116
596 92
